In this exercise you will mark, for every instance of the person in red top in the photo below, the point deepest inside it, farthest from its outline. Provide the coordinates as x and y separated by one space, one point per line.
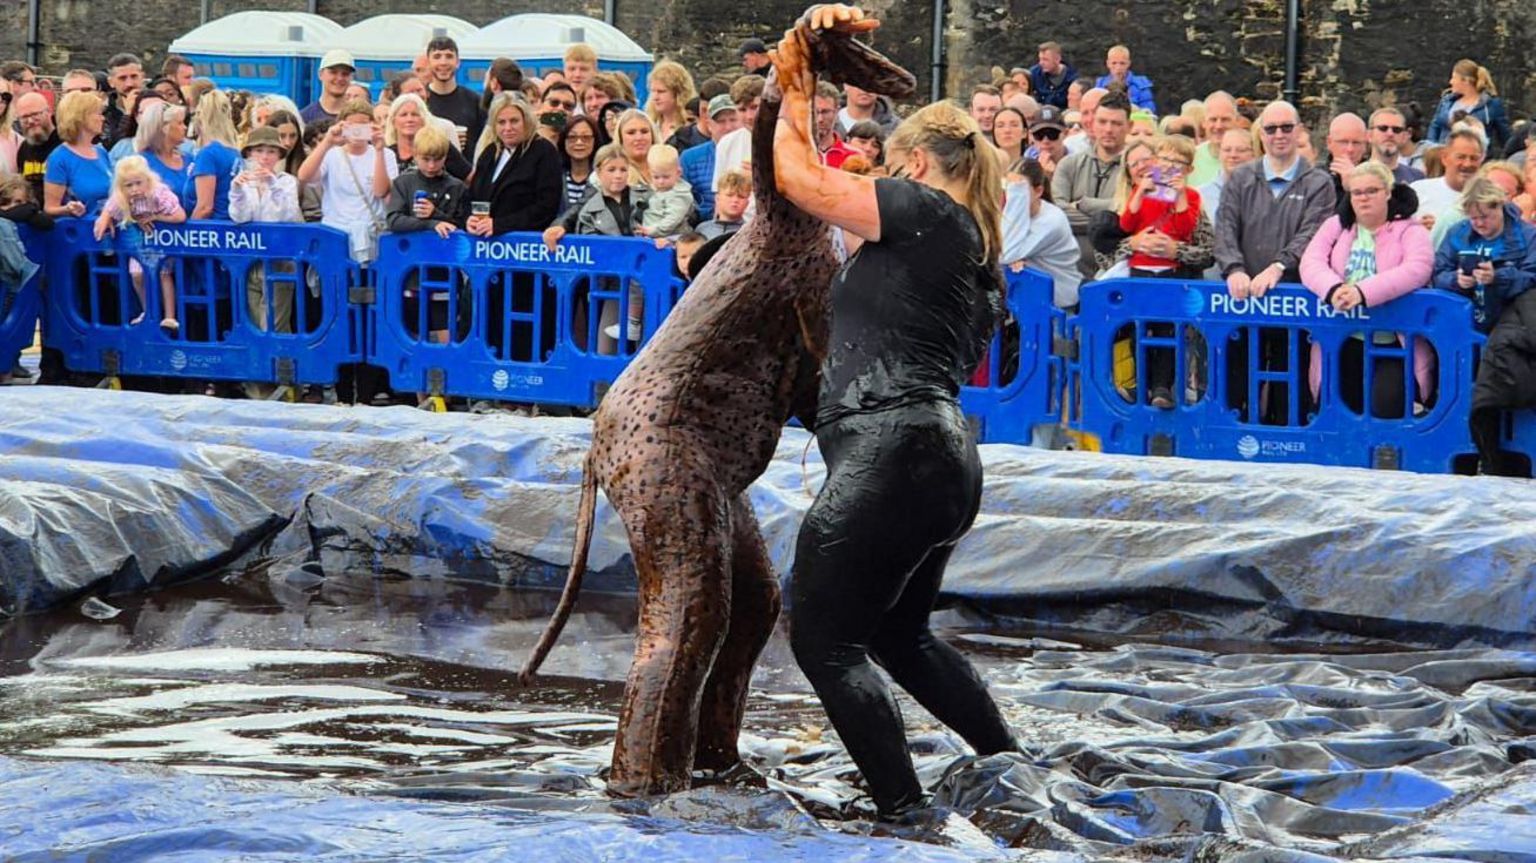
1162 200
833 149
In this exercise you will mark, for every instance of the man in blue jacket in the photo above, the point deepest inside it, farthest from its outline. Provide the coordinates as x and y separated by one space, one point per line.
1050 77
1491 259
698 162
1137 87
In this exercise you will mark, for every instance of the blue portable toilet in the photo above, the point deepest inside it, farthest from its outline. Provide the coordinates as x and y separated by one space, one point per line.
386 44
537 41
264 52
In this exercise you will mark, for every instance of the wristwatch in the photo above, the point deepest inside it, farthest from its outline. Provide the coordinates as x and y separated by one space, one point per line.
1280 265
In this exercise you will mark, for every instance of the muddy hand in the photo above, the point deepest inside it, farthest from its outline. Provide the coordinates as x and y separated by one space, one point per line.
792 67
839 18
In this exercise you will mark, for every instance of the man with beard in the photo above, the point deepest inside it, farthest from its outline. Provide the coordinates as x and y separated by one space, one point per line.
1387 125
39 138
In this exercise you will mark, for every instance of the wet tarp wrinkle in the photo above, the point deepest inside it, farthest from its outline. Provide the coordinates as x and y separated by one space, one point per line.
127 489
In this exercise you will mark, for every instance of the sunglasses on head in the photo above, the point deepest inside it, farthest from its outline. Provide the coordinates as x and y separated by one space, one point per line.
1279 128
1050 133
1395 130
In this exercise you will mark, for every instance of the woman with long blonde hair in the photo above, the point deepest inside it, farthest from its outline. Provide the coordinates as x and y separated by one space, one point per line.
636 134
913 313
1470 93
218 156
672 91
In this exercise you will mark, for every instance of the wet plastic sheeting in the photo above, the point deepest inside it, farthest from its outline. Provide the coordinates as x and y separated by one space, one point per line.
120 815
1169 548
396 697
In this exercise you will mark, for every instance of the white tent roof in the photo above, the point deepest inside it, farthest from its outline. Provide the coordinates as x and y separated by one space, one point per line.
537 35
399 37
260 34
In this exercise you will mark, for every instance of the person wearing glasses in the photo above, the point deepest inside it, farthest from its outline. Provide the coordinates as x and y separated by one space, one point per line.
1270 209
19 77
1048 139
1347 147
1372 252
38 140
1386 132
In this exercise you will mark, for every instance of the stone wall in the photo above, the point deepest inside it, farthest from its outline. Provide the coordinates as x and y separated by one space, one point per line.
1356 53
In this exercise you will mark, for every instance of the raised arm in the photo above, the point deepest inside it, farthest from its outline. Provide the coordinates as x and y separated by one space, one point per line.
834 196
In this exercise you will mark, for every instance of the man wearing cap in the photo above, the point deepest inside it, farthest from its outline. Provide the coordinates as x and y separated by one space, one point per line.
446 99
754 57
1047 136
698 162
336 69
864 105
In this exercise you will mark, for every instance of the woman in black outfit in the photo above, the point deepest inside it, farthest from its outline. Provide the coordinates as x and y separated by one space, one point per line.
520 176
913 313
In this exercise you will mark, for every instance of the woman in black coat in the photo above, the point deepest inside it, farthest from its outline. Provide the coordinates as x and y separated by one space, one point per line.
518 185
517 173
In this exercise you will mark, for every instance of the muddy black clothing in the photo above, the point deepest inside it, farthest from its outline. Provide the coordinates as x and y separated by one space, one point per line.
913 312
912 315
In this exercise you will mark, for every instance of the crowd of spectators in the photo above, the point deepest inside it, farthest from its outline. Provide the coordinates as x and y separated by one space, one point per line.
1101 180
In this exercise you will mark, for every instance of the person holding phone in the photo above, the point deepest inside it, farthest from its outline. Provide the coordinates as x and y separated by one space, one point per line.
1491 259
354 169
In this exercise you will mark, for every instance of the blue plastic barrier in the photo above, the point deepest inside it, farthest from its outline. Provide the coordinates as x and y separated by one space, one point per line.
1024 376
523 321
1258 358
19 311
302 270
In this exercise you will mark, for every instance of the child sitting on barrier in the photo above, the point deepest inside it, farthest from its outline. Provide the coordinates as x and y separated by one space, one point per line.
428 198
612 209
139 197
730 204
261 192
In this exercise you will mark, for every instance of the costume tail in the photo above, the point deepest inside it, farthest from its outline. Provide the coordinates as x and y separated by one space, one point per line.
584 519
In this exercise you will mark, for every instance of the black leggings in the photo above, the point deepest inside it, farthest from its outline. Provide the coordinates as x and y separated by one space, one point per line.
903 486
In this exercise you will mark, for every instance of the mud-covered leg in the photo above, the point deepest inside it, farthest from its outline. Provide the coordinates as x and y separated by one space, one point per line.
755 605
680 536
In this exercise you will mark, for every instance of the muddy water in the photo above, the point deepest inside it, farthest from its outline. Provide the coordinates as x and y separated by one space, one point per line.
406 688
389 685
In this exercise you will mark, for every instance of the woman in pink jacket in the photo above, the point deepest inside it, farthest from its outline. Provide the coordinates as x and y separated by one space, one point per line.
1371 253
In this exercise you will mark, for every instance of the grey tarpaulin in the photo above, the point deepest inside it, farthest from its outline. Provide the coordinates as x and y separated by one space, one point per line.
1166 547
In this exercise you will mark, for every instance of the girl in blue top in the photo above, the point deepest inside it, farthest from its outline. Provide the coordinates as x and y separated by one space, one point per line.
1472 93
77 177
162 130
218 159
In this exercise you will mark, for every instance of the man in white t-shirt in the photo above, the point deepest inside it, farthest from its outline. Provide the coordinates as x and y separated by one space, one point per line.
354 171
735 149
1462 156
